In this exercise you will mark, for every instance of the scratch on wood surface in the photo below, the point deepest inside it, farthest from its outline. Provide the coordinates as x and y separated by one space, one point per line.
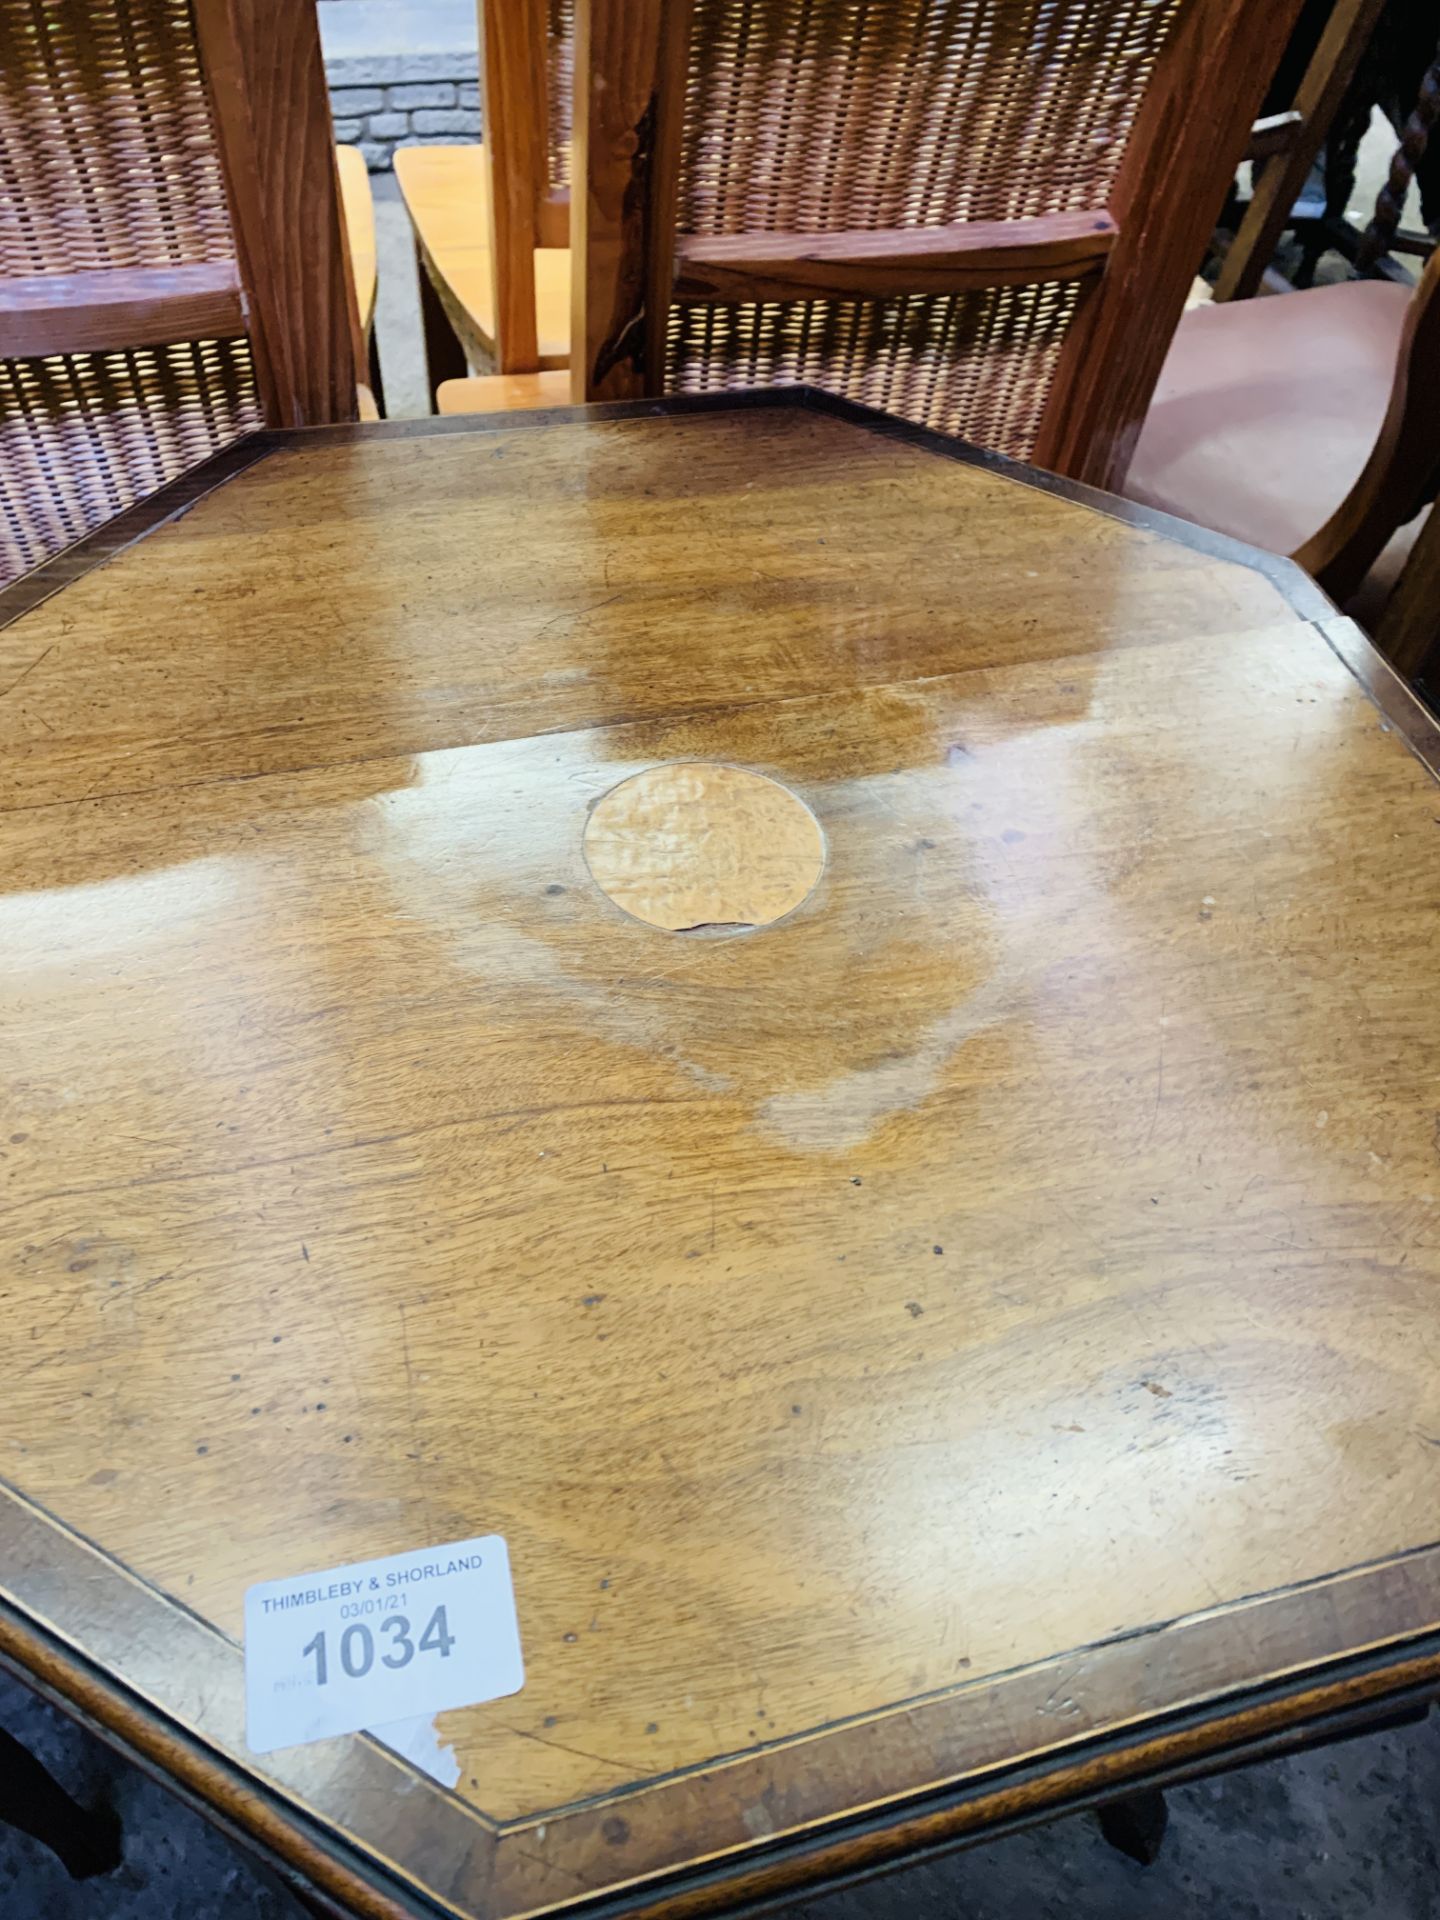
26 671
553 1866
1159 1079
446 1122
416 1451
576 614
583 1753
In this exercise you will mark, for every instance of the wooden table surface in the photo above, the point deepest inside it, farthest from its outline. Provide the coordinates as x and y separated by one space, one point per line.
935 1358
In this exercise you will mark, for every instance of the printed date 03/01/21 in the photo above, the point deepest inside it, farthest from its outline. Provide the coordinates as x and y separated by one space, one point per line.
358 1650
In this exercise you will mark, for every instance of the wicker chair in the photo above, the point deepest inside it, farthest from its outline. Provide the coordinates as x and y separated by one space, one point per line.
173 265
492 221
980 214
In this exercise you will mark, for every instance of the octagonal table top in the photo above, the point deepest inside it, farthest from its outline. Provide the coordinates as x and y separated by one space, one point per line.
945 1323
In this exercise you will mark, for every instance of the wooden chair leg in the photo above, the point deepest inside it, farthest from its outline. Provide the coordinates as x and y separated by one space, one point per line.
377 385
444 355
85 1843
1136 1825
1313 240
1409 630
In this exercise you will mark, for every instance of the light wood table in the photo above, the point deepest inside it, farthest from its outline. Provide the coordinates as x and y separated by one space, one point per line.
965 1348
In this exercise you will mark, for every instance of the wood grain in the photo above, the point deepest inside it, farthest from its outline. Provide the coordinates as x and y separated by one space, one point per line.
724 268
1402 468
119 307
501 392
693 561
619 69
271 112
1388 687
553 219
659 189
853 1326
358 206
1409 631
512 43
632 1240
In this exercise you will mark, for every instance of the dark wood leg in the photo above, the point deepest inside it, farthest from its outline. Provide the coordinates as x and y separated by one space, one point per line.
85 1843
1313 240
306 1899
1409 630
1136 1825
444 355
377 385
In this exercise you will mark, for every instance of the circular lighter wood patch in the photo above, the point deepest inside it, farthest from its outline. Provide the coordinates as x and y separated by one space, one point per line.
694 847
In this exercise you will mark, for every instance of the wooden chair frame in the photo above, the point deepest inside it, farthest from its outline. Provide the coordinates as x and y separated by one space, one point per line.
1404 464
1291 142
524 214
289 287
1137 255
1409 630
357 205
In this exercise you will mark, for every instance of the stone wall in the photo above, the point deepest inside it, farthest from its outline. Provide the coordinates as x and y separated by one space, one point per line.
401 72
381 101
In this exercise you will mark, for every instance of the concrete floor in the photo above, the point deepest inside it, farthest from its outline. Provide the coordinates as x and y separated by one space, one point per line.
1346 1833
397 304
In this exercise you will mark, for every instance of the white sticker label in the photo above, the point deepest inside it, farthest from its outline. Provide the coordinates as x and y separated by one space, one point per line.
381 1640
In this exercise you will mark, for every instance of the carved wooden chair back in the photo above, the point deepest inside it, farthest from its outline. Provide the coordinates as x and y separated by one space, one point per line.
1409 630
173 265
1404 466
1403 470
527 65
979 214
1406 461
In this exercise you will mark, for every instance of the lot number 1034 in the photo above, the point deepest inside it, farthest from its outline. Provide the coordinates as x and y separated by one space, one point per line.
397 1647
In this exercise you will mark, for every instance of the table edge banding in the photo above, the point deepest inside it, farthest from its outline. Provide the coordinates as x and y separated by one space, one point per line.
1362 1636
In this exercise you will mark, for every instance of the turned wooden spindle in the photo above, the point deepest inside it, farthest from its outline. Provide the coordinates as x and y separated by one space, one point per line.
1380 234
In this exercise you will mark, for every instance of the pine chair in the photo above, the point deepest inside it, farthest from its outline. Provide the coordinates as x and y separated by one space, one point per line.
173 262
492 221
358 206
